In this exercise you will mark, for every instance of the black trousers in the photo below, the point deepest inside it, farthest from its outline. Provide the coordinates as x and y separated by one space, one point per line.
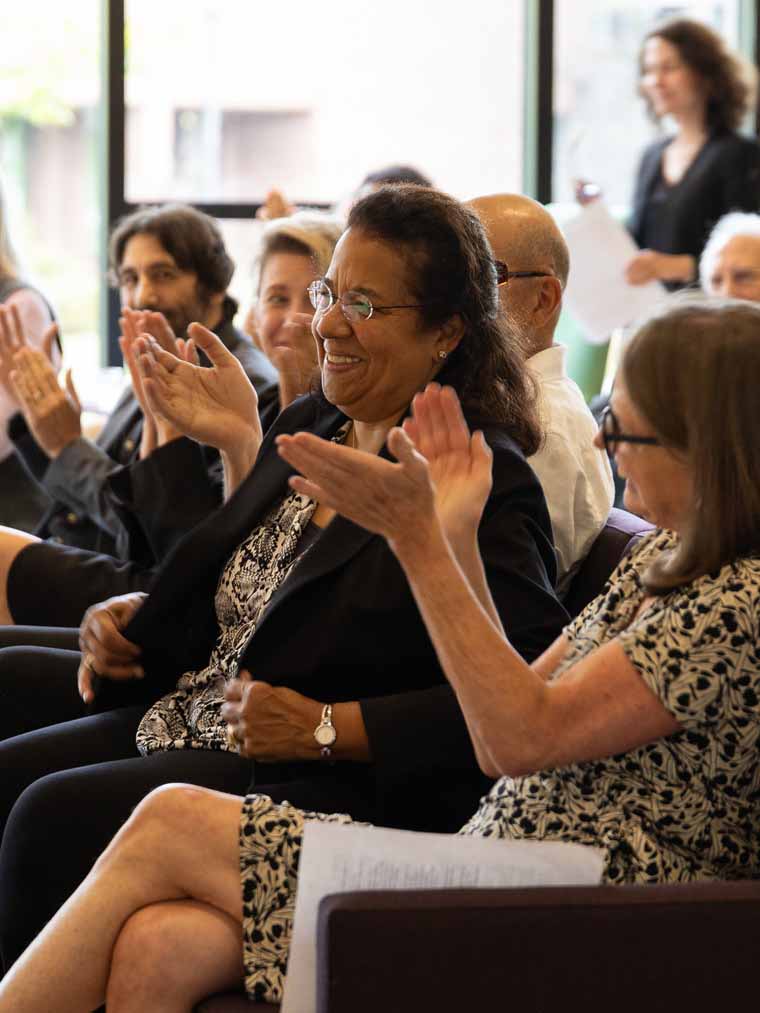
69 781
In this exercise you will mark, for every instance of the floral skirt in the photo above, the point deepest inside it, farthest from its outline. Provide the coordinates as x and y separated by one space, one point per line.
270 850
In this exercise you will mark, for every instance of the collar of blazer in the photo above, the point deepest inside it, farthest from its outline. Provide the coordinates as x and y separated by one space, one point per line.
199 558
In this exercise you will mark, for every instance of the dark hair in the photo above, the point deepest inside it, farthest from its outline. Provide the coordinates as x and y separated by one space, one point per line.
693 371
729 88
396 174
188 235
452 272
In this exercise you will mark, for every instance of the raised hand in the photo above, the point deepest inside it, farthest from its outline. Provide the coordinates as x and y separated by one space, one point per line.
276 205
393 500
12 339
131 323
217 405
443 475
53 413
459 464
294 357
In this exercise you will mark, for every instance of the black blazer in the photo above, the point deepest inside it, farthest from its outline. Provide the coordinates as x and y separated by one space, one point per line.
724 176
344 626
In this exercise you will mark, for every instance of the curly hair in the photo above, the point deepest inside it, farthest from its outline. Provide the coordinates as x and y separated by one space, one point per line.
451 272
729 80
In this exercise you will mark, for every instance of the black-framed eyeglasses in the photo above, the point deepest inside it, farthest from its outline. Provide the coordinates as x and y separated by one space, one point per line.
355 306
504 275
611 434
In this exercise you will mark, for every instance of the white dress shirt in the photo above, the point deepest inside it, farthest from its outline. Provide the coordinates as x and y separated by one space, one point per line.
575 476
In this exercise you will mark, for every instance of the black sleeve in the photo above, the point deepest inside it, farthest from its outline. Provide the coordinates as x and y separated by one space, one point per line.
741 179
34 459
167 493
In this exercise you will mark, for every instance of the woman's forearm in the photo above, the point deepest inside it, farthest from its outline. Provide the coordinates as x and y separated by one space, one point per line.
467 555
500 695
678 267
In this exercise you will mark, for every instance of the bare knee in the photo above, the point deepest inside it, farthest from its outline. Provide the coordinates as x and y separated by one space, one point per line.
158 823
11 543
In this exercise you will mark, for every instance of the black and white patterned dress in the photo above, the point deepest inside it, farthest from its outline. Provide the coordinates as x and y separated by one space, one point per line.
682 808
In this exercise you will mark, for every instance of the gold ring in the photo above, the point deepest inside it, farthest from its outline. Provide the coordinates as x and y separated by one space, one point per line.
89 662
232 741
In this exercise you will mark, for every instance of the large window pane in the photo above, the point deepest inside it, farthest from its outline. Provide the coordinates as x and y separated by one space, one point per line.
225 101
600 127
49 95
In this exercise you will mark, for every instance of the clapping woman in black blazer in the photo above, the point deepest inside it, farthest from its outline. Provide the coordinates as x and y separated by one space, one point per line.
305 618
689 179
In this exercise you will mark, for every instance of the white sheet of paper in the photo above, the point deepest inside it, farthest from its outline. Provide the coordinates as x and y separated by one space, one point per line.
597 294
337 858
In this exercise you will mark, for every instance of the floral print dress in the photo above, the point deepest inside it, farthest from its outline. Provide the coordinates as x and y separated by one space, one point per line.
686 807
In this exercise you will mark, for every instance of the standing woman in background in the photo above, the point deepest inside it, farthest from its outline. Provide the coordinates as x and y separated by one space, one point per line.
691 178
22 503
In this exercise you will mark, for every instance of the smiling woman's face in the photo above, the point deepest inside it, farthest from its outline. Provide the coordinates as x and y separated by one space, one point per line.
283 291
371 369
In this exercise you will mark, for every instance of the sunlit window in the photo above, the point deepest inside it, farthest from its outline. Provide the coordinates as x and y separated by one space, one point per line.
226 100
600 127
49 97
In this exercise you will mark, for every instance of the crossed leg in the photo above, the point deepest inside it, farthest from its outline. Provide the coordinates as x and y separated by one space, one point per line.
159 915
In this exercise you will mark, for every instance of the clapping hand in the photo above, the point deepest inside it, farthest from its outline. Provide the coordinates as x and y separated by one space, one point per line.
52 412
445 479
459 464
217 406
294 357
12 340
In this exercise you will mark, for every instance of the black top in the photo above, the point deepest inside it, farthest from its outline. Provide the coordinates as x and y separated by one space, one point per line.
724 176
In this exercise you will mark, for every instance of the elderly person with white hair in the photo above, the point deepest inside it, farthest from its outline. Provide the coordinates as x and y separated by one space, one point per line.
730 263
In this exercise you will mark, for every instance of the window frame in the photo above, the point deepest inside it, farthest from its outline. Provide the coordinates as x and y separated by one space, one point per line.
538 130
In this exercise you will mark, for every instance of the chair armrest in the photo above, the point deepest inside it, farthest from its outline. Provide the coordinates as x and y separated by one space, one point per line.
607 948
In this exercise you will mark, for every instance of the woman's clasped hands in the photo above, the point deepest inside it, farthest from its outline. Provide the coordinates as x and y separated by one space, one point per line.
441 480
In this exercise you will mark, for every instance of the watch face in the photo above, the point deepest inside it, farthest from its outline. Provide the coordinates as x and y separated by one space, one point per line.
325 735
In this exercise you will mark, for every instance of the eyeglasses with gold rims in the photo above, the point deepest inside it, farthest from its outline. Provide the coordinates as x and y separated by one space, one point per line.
504 275
612 434
355 306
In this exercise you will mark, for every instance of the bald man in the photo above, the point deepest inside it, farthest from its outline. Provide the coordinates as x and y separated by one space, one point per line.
576 478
